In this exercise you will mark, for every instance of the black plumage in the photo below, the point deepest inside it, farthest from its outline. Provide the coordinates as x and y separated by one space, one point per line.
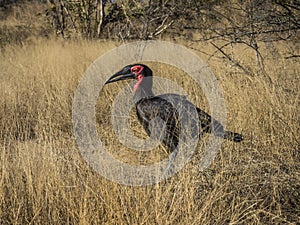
165 107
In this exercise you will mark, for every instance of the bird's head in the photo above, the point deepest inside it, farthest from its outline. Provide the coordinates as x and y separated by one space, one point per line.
135 71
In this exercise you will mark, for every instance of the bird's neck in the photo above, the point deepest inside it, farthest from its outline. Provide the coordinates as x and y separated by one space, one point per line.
143 89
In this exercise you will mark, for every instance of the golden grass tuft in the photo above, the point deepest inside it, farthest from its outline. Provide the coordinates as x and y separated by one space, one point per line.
44 180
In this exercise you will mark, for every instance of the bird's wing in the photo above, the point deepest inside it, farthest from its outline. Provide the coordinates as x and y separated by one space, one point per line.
158 115
166 107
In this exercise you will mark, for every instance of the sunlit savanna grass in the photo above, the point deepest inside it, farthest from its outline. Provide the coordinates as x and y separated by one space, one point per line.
44 180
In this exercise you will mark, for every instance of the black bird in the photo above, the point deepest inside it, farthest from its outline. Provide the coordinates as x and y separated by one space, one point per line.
150 107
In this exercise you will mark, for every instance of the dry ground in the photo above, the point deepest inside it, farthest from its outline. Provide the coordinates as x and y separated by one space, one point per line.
44 180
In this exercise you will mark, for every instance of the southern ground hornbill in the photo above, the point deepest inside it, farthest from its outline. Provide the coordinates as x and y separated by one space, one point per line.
150 107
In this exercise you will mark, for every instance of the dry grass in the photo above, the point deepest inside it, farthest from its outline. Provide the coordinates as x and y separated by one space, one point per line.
44 180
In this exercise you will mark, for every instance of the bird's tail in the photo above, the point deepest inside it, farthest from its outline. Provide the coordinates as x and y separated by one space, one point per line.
236 137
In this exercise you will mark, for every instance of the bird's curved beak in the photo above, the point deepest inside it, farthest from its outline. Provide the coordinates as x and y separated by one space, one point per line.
124 74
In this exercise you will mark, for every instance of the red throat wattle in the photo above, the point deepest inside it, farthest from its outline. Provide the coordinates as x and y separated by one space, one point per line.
138 83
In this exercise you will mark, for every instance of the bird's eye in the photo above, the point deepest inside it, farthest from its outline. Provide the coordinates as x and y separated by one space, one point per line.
137 69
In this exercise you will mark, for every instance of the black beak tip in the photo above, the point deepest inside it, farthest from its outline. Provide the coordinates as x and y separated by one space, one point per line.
120 76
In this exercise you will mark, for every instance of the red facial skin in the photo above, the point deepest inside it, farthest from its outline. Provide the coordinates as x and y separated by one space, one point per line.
137 70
